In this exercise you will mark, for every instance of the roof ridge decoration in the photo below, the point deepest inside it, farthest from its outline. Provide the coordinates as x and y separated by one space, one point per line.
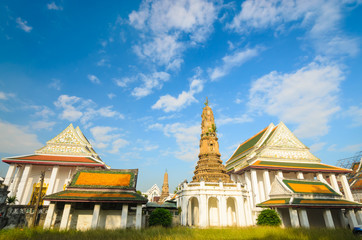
69 142
283 145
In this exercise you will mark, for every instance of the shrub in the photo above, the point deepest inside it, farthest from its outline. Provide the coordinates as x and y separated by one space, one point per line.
160 216
268 217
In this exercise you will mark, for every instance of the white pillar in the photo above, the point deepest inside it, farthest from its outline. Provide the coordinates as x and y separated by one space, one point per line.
203 209
51 185
303 218
351 219
359 216
22 184
266 183
320 176
280 174
294 217
240 218
328 219
223 214
95 217
124 215
346 189
49 217
139 216
279 211
248 187
334 183
300 176
65 217
262 193
254 184
9 175
14 184
343 219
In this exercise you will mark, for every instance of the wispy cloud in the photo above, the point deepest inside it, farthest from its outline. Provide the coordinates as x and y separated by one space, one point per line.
169 103
108 137
17 139
234 60
23 24
6 96
53 6
307 97
111 95
56 84
150 82
173 26
321 20
186 136
94 79
355 114
75 108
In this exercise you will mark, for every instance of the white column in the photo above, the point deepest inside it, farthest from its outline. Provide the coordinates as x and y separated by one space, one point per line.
320 176
248 187
266 183
254 184
300 176
343 219
294 217
9 175
22 184
53 177
240 218
351 219
334 183
303 218
95 217
280 174
139 216
124 216
49 217
65 216
261 189
279 211
14 184
346 189
359 216
203 208
328 219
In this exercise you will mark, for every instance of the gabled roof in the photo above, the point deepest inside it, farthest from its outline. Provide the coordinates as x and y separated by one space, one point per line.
279 145
69 148
311 203
309 187
117 185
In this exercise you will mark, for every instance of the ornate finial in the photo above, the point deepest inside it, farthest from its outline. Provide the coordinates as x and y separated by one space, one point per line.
206 102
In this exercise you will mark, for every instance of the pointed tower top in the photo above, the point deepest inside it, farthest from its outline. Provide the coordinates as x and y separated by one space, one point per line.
206 102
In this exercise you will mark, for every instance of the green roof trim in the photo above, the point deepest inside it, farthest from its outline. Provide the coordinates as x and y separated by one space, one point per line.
70 195
308 188
289 164
248 143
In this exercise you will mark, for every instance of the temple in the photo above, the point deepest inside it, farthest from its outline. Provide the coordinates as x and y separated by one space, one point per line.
59 158
280 172
165 191
97 199
211 199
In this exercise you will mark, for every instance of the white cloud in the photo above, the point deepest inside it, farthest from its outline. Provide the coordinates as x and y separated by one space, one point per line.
320 18
355 114
317 147
150 82
43 111
226 120
56 84
105 137
23 24
230 61
75 108
307 97
172 26
94 79
187 139
103 62
111 95
123 82
46 125
53 6
145 145
169 103
17 139
6 96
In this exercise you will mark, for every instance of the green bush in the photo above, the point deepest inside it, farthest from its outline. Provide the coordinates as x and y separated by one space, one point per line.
160 216
268 217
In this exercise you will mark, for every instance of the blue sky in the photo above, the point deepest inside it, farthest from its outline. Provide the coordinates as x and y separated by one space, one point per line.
133 75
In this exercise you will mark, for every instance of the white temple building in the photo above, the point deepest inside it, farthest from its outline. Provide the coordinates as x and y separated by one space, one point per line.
152 193
60 159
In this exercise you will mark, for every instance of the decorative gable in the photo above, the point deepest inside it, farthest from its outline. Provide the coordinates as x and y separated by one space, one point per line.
284 138
69 142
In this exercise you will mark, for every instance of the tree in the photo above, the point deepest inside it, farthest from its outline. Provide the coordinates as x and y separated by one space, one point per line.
160 216
268 217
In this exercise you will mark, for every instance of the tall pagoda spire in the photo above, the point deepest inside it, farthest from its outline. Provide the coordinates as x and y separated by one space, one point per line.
209 167
165 191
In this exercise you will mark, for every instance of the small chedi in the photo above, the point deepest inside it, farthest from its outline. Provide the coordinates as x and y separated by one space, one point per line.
209 167
165 191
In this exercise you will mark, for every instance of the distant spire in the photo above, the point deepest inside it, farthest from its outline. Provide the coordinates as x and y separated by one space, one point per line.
206 102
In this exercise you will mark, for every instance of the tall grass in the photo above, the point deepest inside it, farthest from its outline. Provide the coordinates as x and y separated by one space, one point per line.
180 233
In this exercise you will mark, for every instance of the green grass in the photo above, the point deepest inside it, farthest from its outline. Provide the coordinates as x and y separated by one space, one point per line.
180 233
